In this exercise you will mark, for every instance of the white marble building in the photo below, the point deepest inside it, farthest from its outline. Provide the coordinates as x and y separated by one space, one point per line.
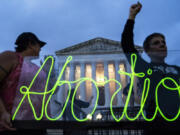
96 58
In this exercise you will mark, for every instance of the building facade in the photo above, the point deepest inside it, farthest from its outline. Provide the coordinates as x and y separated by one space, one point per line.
99 59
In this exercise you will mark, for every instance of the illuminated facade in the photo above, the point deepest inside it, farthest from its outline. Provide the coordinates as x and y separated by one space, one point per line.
98 58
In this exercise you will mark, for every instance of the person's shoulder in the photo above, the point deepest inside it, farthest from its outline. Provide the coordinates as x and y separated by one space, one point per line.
173 68
8 56
177 68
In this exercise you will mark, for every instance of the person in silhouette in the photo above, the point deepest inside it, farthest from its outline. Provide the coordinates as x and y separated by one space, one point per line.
11 68
155 47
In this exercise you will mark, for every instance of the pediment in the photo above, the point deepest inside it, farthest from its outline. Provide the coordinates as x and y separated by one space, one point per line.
93 46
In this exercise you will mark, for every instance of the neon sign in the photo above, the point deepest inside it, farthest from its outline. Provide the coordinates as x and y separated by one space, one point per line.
26 92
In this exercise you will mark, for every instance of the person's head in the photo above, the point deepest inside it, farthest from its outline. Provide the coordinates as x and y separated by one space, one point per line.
29 41
155 46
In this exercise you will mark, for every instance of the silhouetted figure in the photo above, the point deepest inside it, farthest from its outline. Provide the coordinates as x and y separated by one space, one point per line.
27 45
155 47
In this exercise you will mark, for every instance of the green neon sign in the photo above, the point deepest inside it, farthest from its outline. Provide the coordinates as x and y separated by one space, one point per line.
26 92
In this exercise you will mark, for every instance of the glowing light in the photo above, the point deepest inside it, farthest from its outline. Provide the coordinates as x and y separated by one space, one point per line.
26 92
99 116
100 80
89 117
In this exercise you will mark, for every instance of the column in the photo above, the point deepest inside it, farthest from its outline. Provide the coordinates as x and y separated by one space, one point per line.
57 99
119 95
106 87
82 86
94 93
127 69
61 90
72 74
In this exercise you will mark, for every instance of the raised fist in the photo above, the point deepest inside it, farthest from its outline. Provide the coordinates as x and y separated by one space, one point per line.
134 10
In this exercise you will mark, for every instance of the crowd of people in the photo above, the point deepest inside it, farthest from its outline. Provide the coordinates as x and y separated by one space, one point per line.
15 68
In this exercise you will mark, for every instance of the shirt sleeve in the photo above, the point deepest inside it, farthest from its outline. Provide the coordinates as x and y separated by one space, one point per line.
127 43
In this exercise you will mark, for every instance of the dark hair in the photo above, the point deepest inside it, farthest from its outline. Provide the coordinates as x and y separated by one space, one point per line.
149 38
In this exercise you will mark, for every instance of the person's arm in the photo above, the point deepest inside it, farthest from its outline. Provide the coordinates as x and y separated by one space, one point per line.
127 35
4 67
5 118
127 40
7 62
83 104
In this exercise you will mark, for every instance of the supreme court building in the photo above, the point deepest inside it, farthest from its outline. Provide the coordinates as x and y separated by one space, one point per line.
98 59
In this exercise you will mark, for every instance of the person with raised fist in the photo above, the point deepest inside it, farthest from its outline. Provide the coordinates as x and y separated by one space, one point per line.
168 101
